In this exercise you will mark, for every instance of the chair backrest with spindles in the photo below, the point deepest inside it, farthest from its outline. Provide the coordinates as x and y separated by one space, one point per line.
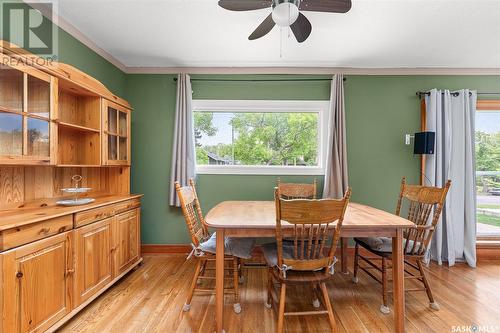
192 212
297 190
423 205
313 232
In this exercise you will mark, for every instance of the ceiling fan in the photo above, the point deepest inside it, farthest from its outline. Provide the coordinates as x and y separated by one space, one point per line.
287 13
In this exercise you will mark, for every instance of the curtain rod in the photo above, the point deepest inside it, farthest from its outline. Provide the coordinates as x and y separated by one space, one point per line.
258 80
427 93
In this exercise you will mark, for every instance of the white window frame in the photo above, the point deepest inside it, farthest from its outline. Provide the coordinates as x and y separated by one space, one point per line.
288 106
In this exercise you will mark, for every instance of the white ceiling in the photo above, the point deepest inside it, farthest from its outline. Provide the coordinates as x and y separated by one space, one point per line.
373 34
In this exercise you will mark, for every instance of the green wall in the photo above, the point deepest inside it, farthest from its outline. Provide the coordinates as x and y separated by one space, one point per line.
379 111
73 52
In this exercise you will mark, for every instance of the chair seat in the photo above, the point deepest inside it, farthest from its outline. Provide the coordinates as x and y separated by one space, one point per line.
382 244
292 276
297 277
238 247
270 251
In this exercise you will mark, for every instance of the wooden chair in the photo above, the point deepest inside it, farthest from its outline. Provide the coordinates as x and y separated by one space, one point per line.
297 190
309 258
420 202
204 248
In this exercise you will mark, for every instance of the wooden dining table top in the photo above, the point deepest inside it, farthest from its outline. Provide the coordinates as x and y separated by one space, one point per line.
262 215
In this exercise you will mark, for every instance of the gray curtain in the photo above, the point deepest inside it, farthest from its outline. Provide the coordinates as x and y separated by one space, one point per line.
451 116
183 151
336 160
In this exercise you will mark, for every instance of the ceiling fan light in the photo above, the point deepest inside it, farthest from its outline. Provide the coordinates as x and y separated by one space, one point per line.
285 13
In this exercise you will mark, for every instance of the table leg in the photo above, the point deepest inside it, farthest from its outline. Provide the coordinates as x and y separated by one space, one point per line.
219 281
344 241
398 281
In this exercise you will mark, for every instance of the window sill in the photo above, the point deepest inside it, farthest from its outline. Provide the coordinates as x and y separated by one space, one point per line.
258 170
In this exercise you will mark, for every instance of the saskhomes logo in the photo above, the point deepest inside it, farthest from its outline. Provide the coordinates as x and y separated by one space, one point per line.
474 329
24 25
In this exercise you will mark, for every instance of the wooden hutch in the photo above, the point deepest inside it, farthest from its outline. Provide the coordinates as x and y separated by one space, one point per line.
55 122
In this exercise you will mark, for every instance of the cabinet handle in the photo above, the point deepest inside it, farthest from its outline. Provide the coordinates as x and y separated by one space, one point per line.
69 272
19 275
44 230
113 249
98 216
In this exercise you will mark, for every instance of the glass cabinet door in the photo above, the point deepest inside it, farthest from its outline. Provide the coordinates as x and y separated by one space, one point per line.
112 126
11 134
38 97
123 135
117 145
112 134
112 148
38 118
11 89
38 137
122 148
25 116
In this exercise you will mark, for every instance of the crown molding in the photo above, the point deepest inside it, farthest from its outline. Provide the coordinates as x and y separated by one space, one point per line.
313 70
77 34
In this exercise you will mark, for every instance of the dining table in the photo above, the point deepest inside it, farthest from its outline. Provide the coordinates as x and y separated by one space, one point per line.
258 219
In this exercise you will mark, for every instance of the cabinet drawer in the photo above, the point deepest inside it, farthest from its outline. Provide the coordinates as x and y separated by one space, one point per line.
97 214
127 205
32 232
92 215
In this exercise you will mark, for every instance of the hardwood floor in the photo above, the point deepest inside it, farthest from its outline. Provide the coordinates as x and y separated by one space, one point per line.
150 299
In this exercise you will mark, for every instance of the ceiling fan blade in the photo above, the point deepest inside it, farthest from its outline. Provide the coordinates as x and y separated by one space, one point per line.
242 5
266 26
329 6
301 28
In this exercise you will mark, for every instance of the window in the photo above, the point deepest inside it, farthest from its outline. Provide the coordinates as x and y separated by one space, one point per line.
488 169
260 137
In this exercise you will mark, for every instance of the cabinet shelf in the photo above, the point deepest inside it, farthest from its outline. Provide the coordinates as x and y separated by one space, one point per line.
10 110
78 127
78 148
79 110
116 134
22 113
